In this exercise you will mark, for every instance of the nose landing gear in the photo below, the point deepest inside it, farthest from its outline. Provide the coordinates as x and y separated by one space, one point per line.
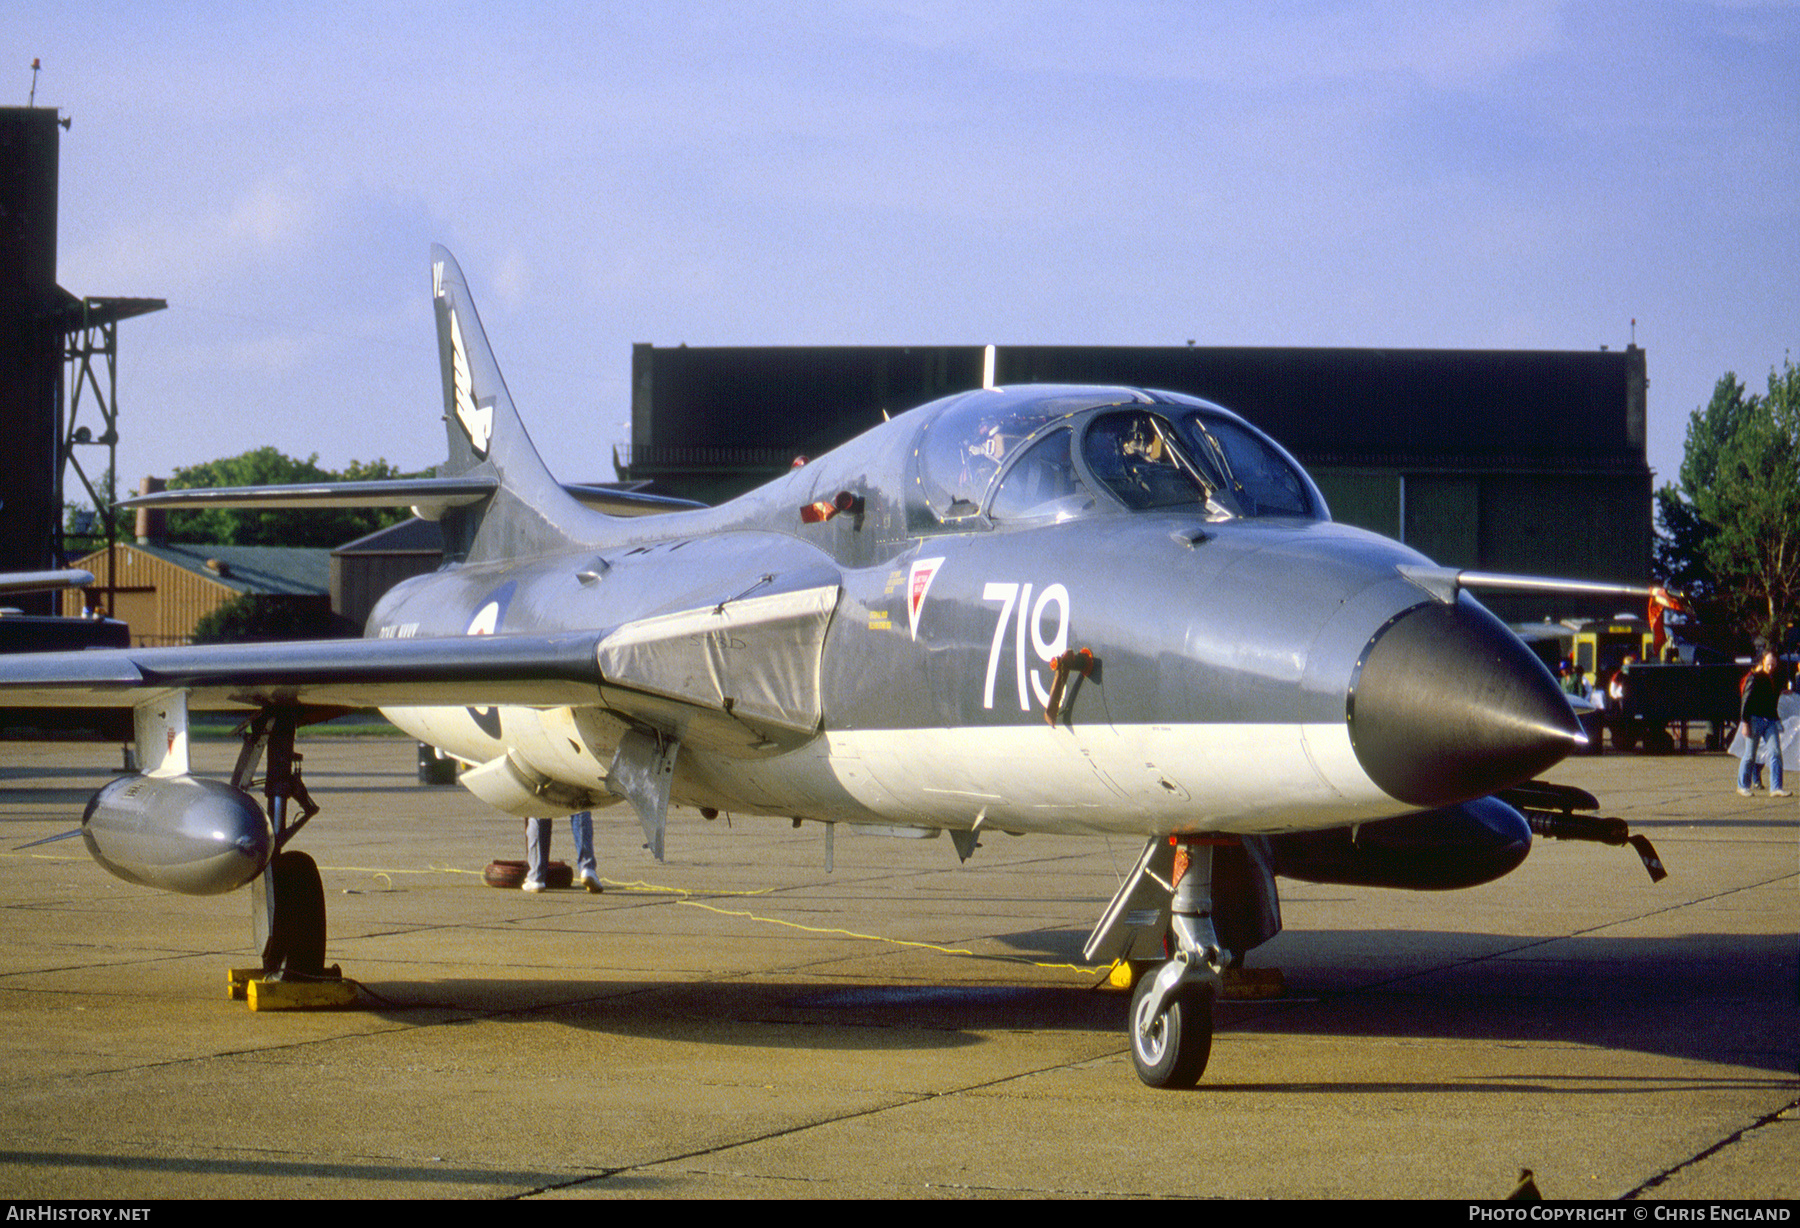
1171 1012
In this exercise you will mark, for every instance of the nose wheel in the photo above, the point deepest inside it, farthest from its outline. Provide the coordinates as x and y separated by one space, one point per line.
1170 1047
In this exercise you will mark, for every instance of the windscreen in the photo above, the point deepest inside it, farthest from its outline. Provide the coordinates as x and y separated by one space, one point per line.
963 450
1255 480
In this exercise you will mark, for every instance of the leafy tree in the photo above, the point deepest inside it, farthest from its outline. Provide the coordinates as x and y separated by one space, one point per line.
84 528
266 466
255 616
1732 526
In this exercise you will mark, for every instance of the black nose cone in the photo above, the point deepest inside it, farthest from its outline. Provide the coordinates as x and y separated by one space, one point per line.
1446 705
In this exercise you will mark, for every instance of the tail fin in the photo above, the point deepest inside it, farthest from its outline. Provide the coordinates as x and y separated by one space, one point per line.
493 496
530 513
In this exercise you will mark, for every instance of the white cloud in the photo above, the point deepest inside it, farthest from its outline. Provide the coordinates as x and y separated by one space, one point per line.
1262 47
511 281
276 214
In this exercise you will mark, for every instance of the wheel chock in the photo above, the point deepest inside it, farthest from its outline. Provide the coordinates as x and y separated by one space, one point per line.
248 985
299 995
1240 984
236 980
1252 984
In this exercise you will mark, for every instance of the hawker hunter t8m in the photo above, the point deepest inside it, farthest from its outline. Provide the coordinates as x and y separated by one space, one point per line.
1042 609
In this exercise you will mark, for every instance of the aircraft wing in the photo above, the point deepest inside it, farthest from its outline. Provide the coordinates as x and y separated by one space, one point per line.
742 675
547 670
43 581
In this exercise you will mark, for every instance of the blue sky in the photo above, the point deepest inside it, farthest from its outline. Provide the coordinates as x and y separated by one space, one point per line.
1514 174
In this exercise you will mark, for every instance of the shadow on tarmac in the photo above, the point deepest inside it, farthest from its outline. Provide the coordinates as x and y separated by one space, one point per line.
1717 998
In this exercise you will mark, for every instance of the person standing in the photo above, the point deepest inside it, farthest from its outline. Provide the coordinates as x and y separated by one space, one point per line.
1621 704
537 852
1760 722
1571 682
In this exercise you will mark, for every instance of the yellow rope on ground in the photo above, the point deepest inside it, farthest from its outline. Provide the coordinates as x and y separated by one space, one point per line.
683 894
898 942
379 872
639 884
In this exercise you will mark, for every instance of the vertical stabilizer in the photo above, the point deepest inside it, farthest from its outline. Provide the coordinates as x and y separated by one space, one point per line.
530 514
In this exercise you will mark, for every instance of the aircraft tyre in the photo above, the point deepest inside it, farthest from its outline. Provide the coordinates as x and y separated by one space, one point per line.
297 933
1172 1049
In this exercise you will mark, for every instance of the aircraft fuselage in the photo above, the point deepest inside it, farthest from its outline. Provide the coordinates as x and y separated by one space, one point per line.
1225 655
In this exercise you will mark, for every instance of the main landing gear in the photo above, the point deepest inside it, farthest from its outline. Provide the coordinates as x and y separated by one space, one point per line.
290 918
287 900
1171 1023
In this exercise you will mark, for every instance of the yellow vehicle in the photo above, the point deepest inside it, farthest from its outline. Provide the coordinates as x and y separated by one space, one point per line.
1600 647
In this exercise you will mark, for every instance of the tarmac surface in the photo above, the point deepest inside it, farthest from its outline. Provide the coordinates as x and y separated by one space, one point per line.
741 1023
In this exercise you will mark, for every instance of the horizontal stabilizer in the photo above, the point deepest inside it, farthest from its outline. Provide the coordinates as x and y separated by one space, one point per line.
616 502
427 494
430 497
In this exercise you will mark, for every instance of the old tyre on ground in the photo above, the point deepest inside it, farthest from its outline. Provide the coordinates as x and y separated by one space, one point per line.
557 875
1171 1049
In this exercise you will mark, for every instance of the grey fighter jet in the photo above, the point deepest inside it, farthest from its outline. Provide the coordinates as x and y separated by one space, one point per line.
1040 609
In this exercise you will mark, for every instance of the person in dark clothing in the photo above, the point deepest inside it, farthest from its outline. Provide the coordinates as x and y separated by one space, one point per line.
1761 722
1621 705
1570 680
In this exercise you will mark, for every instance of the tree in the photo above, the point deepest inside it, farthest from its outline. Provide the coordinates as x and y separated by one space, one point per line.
1732 526
84 528
253 527
258 617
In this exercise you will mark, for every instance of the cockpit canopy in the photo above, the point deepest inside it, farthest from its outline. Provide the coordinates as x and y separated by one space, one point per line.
1035 455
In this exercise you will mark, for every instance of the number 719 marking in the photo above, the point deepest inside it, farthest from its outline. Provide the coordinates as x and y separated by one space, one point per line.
1017 596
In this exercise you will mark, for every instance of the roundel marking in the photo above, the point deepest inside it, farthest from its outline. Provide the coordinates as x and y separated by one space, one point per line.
487 622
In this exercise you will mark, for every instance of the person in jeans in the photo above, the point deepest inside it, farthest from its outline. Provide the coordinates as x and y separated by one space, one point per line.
1761 722
537 852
